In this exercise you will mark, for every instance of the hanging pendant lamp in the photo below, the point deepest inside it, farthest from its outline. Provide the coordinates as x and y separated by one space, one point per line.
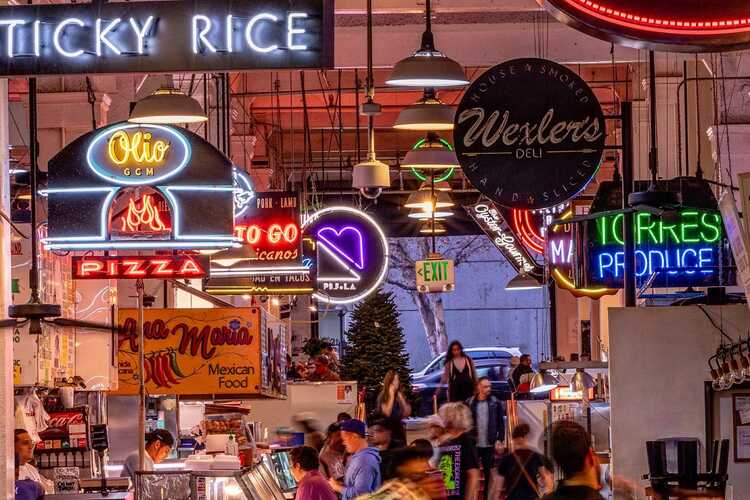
426 114
429 228
167 105
431 153
424 200
427 67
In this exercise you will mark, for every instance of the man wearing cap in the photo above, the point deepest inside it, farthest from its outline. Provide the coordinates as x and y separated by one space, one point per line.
363 468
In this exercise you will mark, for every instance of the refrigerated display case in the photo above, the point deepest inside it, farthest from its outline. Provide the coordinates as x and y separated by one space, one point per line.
263 481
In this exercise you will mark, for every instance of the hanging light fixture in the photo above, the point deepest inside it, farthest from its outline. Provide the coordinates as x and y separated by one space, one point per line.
431 153
444 186
167 105
426 114
424 200
582 381
523 281
543 381
428 228
428 215
427 67
371 175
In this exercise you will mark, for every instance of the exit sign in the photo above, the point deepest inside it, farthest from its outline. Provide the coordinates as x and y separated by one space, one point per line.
435 275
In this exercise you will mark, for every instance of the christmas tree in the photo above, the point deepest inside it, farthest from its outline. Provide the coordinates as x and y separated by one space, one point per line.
375 345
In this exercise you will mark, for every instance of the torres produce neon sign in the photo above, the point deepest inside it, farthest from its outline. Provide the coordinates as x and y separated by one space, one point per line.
681 250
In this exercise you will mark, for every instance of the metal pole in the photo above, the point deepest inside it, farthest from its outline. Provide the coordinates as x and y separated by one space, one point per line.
6 340
34 158
141 382
434 207
653 154
687 121
627 188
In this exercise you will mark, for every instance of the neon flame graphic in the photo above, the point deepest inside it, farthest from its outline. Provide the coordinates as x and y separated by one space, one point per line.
147 215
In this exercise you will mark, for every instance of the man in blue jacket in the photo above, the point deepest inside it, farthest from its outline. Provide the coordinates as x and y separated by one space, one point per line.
489 427
363 468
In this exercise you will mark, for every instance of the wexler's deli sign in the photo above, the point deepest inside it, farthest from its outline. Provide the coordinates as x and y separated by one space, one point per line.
192 351
129 186
488 218
529 133
670 25
165 37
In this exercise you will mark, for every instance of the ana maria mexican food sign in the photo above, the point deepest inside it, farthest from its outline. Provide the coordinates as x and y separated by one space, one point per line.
192 351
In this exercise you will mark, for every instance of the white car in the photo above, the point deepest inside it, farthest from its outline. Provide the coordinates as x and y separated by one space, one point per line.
475 353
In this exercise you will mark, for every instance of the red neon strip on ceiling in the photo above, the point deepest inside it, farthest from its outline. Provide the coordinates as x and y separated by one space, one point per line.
648 23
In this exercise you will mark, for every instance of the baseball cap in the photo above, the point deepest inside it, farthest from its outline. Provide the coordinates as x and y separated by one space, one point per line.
355 426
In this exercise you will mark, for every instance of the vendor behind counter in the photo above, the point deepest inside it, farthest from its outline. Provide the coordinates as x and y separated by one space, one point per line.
159 444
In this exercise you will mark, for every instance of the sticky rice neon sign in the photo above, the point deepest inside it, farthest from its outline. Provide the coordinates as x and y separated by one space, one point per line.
681 251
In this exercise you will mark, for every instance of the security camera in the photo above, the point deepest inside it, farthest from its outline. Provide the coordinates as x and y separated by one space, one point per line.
370 192
148 300
370 177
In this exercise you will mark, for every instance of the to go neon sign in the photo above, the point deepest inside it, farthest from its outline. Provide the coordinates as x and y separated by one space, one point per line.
276 234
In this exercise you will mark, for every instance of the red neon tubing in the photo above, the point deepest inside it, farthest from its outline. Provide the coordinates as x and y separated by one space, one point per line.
683 26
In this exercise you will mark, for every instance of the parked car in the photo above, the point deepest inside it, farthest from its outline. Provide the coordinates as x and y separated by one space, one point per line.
496 368
476 353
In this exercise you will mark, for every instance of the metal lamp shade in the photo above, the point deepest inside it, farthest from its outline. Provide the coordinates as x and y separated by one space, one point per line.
426 115
428 229
423 200
427 69
429 158
439 186
543 381
371 174
167 106
523 281
425 215
582 381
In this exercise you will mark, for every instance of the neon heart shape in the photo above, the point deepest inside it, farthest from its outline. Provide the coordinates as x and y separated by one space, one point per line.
347 242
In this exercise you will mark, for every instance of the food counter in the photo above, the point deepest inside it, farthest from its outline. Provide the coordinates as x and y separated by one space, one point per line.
270 479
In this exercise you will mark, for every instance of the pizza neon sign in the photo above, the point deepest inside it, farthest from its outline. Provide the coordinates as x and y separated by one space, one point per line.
160 267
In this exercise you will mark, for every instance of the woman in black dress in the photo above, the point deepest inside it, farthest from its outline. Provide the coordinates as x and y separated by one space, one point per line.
459 373
392 406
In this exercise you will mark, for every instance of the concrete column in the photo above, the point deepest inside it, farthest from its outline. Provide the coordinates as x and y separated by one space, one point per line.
7 404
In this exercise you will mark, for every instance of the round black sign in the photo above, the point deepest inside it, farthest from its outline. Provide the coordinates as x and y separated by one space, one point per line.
529 133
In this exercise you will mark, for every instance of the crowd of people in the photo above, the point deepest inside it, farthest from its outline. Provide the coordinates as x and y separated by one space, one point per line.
466 442
365 463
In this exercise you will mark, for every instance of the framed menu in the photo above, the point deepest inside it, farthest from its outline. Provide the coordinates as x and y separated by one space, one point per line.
741 426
